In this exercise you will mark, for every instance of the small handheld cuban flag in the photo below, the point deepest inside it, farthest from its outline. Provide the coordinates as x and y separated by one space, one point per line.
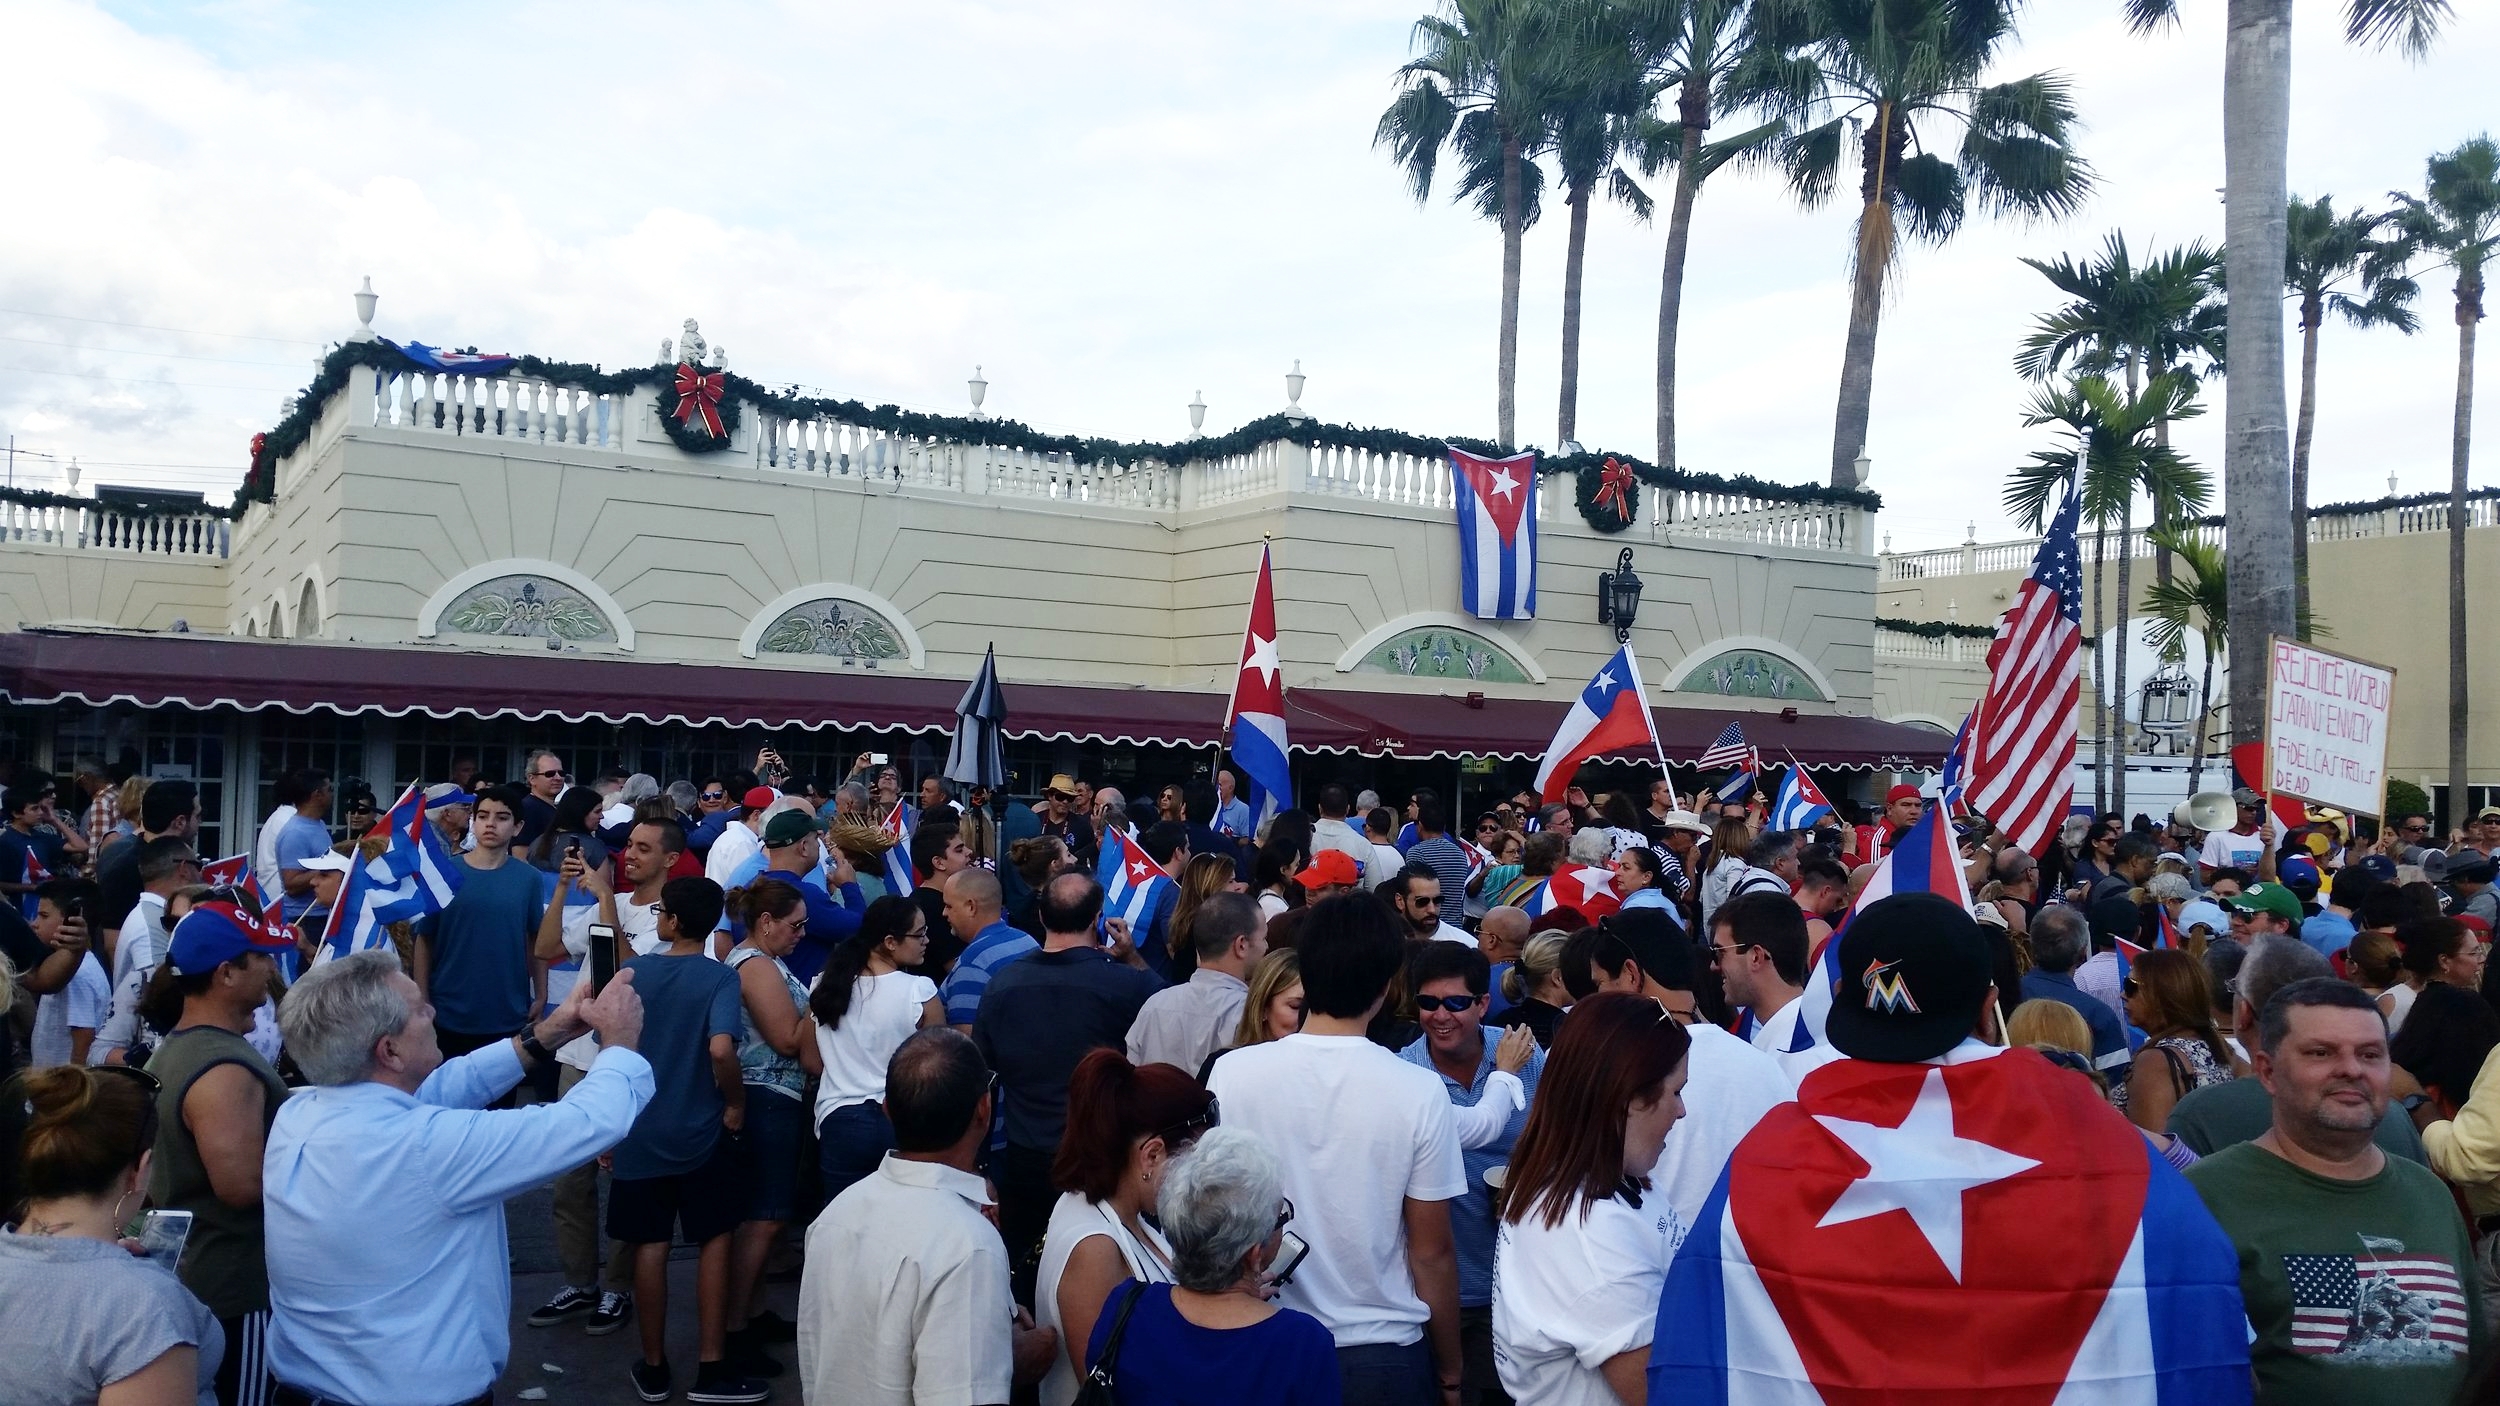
1729 749
1800 803
899 878
1131 882
414 877
218 873
1496 503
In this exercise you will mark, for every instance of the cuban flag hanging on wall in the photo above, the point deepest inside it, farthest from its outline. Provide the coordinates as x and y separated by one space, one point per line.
1496 500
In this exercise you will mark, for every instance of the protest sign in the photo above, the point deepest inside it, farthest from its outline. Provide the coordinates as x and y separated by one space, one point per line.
2327 721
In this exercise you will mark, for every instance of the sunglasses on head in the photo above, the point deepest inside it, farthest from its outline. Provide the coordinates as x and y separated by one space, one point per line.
1452 1004
1189 1130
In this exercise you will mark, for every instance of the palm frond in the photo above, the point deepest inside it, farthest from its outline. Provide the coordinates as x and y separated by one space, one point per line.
1414 129
2145 16
2408 26
1624 191
1757 146
1930 191
1814 158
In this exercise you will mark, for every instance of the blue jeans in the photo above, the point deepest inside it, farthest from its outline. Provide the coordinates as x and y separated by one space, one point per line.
851 1141
1386 1374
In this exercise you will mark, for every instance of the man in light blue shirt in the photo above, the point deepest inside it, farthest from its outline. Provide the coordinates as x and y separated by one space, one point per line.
390 1282
304 834
990 942
1232 814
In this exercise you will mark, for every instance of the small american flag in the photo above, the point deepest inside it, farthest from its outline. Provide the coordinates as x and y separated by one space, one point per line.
1729 750
2019 744
2376 1301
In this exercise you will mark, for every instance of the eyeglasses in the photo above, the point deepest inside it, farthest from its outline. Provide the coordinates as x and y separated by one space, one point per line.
1717 952
1417 901
553 775
1452 1004
1183 1133
1284 1213
714 796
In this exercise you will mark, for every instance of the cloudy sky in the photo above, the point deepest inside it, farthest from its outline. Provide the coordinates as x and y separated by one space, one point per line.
1106 206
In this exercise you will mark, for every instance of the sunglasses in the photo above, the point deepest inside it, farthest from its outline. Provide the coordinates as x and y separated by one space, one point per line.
714 796
1452 1004
1284 1213
1717 952
1183 1133
2128 987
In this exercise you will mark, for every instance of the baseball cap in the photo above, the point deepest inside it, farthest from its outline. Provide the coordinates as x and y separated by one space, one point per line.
2488 813
447 793
2270 898
2207 914
1901 792
2299 875
1914 969
790 827
1665 954
1332 868
2471 869
759 797
2379 867
213 934
332 863
2247 796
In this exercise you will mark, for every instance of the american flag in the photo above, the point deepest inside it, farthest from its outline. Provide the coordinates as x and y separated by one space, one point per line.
1730 750
2020 742
2385 1297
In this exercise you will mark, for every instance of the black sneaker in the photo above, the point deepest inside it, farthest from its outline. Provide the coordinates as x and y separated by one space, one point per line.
568 1304
611 1314
771 1327
651 1381
745 1352
723 1381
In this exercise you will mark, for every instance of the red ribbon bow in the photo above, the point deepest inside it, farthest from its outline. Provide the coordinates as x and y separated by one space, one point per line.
699 394
1614 487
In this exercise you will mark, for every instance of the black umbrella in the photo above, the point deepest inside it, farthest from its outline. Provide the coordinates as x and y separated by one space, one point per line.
976 758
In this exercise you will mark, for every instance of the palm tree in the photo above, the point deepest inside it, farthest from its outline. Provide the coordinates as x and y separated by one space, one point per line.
2457 222
1601 117
2256 140
2111 434
1482 85
1704 52
2325 252
2133 319
1892 71
2199 599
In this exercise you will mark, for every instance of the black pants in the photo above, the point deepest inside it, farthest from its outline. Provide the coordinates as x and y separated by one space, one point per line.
243 1375
1022 1176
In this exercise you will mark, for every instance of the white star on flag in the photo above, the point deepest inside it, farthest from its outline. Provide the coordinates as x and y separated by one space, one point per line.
1504 484
1919 1167
1605 679
1262 658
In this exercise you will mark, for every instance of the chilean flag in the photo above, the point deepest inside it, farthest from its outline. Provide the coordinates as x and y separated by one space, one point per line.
1950 1175
1610 715
1131 882
1256 717
1496 500
1587 890
1924 860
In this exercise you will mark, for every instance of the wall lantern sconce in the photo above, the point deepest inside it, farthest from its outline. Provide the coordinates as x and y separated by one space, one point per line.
1619 596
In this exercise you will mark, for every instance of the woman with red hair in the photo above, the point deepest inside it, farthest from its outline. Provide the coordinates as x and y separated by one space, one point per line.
1584 1243
1125 1124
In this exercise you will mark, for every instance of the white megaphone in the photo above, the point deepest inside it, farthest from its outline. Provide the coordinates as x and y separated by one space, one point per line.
2208 810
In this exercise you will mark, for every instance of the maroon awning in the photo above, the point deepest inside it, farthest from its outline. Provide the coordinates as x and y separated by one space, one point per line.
210 671
1438 725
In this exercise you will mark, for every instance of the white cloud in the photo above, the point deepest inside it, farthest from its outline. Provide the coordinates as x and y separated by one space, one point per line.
1107 208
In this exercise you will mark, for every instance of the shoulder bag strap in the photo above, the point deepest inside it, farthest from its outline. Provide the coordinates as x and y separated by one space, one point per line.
1098 1382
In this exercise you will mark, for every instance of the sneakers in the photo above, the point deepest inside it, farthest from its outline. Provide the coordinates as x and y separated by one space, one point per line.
745 1352
568 1304
770 1327
721 1381
611 1314
651 1381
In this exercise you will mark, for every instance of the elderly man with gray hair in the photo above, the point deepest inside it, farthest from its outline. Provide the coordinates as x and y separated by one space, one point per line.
2060 940
390 1283
2240 1110
1213 1334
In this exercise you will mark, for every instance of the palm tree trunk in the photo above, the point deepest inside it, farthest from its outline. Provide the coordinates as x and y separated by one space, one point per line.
1866 302
2460 453
2164 518
2204 718
2312 311
1567 421
1694 108
2100 714
2126 646
2256 128
1505 401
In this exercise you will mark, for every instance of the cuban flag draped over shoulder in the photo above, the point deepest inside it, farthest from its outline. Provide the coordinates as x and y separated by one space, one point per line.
1131 882
1256 718
1588 890
1610 715
1496 501
415 876
1925 860
1800 803
458 363
1951 1174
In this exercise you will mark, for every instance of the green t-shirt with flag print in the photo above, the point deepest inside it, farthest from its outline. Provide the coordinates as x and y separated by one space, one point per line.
2358 1292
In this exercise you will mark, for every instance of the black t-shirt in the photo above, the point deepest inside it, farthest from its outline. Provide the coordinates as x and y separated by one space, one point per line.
117 884
536 816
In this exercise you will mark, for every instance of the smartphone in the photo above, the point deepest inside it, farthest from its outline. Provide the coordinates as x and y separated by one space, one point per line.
879 759
1289 1252
602 956
163 1234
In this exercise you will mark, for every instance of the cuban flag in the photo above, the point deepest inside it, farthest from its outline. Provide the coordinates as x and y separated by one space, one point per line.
1923 861
414 877
1496 500
458 363
1800 803
1132 883
1949 1174
1952 787
231 870
899 879
1610 715
1588 890
1256 716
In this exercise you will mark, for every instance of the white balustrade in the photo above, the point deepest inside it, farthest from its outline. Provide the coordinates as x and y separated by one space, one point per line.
2017 555
101 529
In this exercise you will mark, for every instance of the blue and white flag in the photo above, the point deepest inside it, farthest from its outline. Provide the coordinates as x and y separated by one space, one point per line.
1255 723
1132 884
1496 502
1951 787
457 363
415 877
1800 803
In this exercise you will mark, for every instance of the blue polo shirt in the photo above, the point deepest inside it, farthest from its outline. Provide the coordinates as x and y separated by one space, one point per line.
993 947
2109 1037
1471 1215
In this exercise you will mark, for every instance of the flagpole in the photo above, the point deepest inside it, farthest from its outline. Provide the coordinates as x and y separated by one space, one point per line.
1641 691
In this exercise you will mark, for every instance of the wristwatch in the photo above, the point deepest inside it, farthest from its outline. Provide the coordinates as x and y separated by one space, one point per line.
533 1047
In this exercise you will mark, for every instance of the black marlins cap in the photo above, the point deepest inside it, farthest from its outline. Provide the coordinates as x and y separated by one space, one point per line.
1914 970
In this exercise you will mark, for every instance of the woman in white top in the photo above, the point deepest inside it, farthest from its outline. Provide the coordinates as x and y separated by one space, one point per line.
1125 1124
1584 1242
862 1008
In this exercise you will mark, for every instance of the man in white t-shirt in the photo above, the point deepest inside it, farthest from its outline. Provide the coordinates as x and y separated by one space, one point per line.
1758 944
1731 1084
166 863
2240 846
1336 832
1370 1163
740 840
563 951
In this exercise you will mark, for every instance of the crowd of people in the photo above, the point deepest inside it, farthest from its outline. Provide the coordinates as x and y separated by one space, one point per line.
1358 1105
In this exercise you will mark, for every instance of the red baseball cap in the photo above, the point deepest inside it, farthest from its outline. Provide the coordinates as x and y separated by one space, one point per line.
1903 792
759 798
1330 868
